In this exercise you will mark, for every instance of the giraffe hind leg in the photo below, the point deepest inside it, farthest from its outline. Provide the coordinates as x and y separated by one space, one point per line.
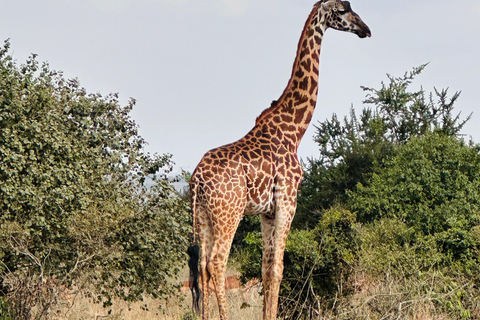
217 268
204 230
268 267
223 238
205 268
205 280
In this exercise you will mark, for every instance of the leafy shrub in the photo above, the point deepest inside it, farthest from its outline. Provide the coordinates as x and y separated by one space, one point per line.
79 197
317 262
353 149
424 210
433 185
403 272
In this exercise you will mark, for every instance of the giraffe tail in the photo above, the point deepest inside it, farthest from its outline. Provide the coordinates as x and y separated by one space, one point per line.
194 253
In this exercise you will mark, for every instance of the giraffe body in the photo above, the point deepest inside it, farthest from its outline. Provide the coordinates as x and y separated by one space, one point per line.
261 173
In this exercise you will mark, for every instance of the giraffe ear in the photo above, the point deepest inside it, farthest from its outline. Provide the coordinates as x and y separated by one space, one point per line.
346 5
339 4
331 4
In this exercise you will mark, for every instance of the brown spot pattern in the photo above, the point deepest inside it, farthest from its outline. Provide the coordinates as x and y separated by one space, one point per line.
260 173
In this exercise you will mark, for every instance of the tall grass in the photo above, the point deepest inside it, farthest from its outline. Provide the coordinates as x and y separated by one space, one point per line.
243 303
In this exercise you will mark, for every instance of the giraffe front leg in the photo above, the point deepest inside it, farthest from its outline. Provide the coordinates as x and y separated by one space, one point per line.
272 263
275 230
269 268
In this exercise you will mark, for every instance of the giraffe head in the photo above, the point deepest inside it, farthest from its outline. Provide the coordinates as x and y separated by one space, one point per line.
340 16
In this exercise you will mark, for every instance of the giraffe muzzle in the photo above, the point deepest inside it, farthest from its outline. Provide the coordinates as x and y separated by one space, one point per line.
363 30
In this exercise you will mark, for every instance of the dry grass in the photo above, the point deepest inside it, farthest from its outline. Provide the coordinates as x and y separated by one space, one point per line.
386 299
244 303
383 298
83 308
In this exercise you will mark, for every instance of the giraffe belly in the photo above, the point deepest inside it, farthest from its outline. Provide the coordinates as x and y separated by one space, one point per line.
260 204
259 208
260 192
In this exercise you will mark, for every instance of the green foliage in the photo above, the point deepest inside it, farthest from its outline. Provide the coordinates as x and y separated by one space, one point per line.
4 314
249 224
250 257
407 272
405 114
433 184
388 217
416 238
352 150
390 246
421 225
74 198
328 251
317 262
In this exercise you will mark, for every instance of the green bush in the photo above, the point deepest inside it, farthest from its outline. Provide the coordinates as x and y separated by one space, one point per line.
350 151
80 199
433 185
424 232
404 271
317 263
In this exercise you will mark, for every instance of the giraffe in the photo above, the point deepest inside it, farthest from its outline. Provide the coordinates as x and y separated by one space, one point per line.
260 173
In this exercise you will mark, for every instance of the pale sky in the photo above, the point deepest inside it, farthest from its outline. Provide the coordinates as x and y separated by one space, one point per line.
203 70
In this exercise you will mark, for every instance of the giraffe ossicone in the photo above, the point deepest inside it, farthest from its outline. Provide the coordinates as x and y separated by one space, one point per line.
261 173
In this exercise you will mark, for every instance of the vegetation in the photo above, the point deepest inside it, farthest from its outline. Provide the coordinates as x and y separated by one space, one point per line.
388 216
387 224
350 152
75 205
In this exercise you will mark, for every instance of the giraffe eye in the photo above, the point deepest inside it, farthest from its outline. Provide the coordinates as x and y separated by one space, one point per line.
342 11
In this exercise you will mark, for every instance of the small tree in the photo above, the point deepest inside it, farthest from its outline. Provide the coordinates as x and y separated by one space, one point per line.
350 151
79 197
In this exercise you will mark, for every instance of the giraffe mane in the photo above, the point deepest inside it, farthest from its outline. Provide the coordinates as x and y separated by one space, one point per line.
265 112
275 103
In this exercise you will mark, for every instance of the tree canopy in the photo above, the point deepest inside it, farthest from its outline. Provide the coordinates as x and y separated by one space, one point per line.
352 149
80 199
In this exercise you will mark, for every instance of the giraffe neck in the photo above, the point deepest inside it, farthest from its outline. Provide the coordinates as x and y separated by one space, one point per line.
293 111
